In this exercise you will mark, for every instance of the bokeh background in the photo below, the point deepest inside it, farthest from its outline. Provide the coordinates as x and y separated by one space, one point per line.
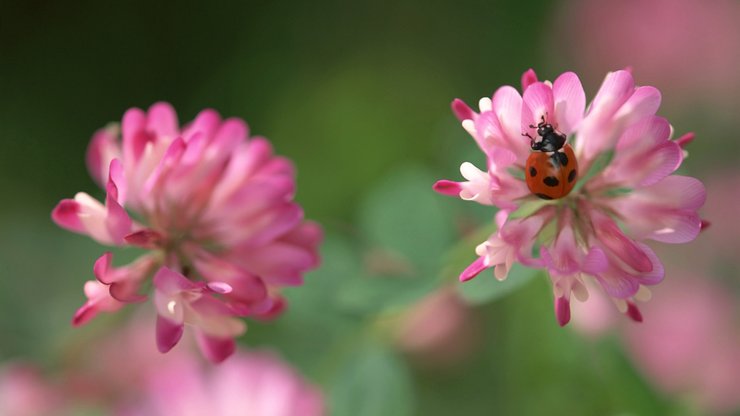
357 94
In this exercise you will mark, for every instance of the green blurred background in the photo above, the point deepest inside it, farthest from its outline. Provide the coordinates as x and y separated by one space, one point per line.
357 94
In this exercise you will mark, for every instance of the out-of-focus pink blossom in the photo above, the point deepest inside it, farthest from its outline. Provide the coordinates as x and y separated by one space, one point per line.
438 330
213 206
248 384
24 392
688 48
691 343
124 374
626 191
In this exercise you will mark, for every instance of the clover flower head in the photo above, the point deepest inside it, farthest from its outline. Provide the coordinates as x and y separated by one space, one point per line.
592 223
214 209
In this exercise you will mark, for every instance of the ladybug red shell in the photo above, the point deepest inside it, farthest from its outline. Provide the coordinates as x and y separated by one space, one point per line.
552 175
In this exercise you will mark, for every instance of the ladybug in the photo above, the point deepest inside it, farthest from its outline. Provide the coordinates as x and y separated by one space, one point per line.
551 169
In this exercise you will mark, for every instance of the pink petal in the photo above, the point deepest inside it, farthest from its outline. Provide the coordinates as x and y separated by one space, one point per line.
307 235
675 191
265 227
612 238
617 87
598 131
170 282
570 102
488 131
134 135
279 263
98 299
665 211
644 155
473 270
84 314
146 238
633 312
507 105
618 283
216 350
117 180
277 306
685 140
705 224
562 310
232 132
244 286
461 110
126 292
445 187
537 103
102 149
529 77
117 221
642 103
66 215
168 333
657 271
621 283
162 120
170 159
205 123
595 262
97 220
219 287
102 267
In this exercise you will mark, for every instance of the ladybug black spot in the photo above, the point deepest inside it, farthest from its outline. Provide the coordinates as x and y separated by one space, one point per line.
543 196
532 172
572 176
551 181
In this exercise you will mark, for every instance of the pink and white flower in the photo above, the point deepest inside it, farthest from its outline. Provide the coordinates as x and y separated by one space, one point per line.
626 191
215 210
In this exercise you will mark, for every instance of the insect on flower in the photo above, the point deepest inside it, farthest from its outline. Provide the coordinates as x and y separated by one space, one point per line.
552 169
582 209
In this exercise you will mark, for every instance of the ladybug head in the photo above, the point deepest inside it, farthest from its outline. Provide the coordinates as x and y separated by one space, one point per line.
536 145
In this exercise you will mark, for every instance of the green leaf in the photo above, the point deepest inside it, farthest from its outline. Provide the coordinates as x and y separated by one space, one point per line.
406 229
485 287
368 294
404 216
374 382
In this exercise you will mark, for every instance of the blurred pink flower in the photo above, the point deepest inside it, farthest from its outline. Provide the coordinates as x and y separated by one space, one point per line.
248 384
215 210
686 47
691 343
438 330
626 191
99 378
24 392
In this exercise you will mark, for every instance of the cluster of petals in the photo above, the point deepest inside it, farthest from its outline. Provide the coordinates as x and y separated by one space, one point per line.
214 210
626 192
